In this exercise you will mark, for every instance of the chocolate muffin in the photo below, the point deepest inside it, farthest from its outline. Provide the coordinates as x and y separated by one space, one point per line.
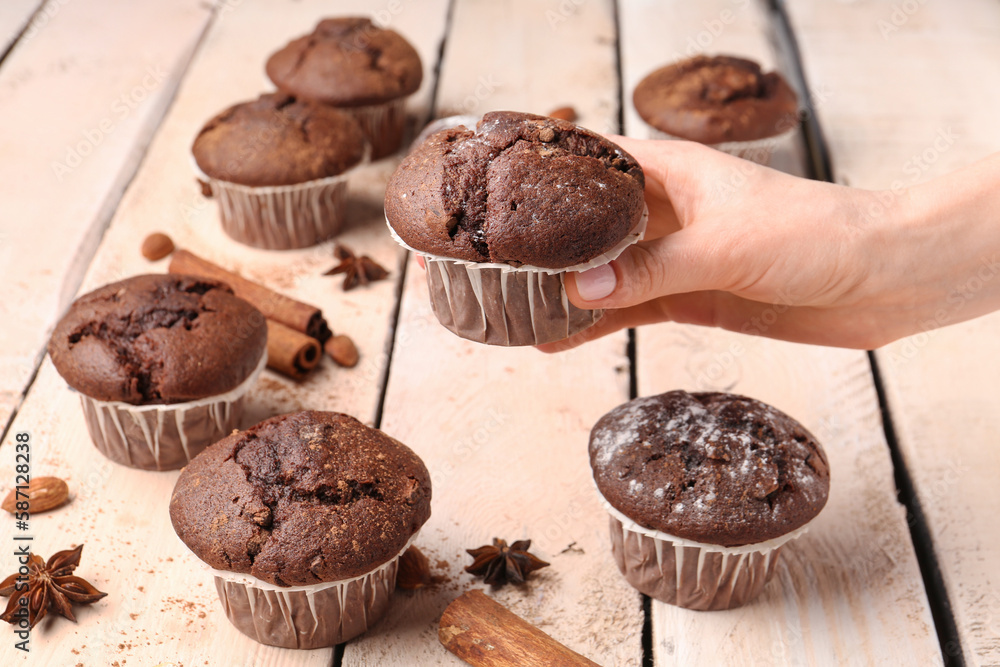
502 211
161 363
717 100
718 474
277 165
278 140
351 63
158 339
520 189
347 62
316 508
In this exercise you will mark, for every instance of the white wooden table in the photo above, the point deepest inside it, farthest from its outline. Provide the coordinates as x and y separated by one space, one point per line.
99 102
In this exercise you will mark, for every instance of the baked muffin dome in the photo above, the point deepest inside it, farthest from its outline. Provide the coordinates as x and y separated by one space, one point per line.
716 99
347 62
278 140
709 467
158 339
520 189
301 499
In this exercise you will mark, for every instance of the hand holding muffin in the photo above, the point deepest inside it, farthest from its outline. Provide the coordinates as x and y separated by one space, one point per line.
501 213
745 248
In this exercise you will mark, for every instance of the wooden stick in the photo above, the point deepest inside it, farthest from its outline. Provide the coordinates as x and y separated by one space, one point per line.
289 351
484 633
297 315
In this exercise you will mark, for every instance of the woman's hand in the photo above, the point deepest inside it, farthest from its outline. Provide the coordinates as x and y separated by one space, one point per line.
739 246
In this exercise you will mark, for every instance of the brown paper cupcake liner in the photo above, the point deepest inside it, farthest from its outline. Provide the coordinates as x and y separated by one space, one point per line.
693 575
307 617
164 436
281 217
383 124
499 304
500 307
759 150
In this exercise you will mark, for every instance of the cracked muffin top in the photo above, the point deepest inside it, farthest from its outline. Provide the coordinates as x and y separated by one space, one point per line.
709 467
714 99
520 189
276 140
347 62
301 499
158 339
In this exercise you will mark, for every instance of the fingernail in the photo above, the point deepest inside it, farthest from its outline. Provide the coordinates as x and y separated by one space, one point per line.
596 283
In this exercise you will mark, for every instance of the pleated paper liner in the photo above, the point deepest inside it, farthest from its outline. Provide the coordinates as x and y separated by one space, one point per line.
500 304
693 575
307 617
281 217
759 150
384 125
164 436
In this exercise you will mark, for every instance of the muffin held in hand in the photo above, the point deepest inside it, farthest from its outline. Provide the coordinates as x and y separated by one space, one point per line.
501 212
722 101
703 490
352 64
162 363
303 518
277 167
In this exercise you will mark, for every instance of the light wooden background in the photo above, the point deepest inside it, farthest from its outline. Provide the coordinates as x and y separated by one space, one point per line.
125 85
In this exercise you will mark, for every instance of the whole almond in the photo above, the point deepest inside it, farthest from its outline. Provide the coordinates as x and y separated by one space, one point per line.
44 494
563 113
157 246
343 351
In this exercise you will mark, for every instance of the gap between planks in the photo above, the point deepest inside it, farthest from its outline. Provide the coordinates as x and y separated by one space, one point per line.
85 252
820 161
850 634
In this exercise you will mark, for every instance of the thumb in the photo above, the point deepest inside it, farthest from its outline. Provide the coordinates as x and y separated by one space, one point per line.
672 264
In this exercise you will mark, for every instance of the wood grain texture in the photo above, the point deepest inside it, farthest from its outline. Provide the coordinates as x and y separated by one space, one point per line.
504 431
848 592
656 33
905 83
162 607
117 78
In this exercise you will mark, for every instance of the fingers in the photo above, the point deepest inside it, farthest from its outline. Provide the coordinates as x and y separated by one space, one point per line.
613 320
645 271
662 216
697 308
815 326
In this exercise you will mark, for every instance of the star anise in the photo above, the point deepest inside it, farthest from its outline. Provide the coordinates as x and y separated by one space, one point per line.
51 585
499 563
358 270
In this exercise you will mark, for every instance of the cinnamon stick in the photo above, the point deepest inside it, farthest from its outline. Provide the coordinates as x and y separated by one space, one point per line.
484 633
297 315
289 351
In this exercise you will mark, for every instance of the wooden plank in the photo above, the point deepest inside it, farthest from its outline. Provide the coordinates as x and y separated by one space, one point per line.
505 430
81 98
656 33
937 383
14 18
849 592
161 607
